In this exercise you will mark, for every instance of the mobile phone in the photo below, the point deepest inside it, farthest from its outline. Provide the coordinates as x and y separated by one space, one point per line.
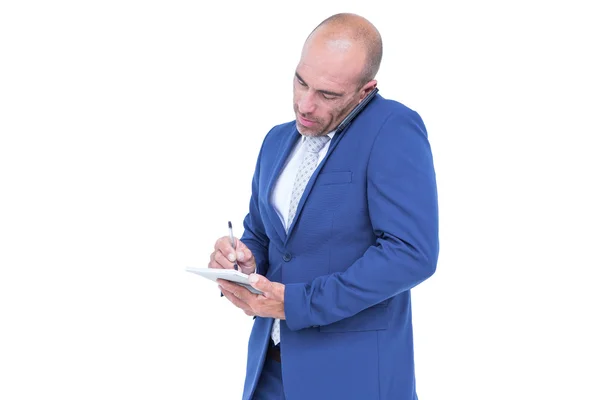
359 107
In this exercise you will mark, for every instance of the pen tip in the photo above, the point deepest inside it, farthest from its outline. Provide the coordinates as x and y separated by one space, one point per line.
229 223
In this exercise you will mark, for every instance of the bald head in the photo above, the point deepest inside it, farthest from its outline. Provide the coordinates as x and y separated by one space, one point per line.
336 71
344 31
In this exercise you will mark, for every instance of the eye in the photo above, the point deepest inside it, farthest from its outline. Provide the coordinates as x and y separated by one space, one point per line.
328 97
301 82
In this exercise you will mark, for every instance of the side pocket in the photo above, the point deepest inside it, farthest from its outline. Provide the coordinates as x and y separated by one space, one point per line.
372 319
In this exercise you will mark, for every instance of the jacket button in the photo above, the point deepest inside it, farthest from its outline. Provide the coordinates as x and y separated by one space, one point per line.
287 257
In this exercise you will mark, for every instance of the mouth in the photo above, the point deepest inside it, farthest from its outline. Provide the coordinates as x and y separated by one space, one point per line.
306 122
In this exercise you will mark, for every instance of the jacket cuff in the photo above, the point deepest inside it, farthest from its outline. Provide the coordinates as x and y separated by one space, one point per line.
297 311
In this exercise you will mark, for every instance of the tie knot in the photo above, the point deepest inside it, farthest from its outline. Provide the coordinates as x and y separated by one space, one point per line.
316 143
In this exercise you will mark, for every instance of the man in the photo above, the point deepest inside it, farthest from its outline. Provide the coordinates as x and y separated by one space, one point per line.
342 223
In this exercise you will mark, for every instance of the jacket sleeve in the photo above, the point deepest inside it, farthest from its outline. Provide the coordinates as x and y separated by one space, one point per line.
254 235
402 203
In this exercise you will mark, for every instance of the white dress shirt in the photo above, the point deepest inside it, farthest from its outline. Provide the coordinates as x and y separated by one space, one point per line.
282 192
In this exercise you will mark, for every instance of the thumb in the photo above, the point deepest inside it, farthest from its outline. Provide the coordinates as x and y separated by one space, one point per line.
245 258
261 283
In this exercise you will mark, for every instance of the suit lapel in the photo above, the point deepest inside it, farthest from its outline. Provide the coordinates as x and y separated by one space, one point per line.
284 150
334 142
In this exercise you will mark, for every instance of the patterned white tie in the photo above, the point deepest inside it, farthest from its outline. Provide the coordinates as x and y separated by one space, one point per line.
314 144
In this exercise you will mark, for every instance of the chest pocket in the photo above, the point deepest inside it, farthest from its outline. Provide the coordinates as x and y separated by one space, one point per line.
330 189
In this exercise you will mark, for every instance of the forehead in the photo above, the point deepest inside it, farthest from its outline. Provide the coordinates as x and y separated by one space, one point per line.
334 64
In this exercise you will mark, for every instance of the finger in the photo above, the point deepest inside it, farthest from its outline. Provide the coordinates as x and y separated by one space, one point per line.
222 261
261 283
243 253
230 287
238 291
236 301
245 258
224 246
248 268
213 263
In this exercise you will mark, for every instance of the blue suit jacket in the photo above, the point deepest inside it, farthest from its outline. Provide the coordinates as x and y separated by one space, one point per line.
366 232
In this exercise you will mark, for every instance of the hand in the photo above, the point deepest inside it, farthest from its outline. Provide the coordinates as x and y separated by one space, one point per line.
224 256
269 304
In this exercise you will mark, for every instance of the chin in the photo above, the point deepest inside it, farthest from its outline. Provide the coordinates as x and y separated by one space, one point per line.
307 131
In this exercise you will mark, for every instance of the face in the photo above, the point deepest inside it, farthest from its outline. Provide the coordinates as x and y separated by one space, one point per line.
326 85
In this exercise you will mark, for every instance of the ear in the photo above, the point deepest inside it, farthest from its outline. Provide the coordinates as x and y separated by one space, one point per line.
367 88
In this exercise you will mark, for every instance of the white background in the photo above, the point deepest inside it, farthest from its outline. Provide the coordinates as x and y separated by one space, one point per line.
129 132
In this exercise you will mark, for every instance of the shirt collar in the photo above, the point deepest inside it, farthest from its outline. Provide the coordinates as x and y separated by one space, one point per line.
330 134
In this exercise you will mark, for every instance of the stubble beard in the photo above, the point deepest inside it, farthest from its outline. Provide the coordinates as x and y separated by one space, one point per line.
317 130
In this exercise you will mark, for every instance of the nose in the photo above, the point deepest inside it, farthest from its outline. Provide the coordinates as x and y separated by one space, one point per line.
306 103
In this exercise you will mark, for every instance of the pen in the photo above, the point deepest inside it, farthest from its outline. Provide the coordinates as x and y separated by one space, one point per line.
235 265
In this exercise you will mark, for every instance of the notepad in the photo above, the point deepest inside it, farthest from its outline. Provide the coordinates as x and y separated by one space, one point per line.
227 274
